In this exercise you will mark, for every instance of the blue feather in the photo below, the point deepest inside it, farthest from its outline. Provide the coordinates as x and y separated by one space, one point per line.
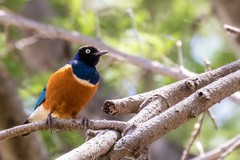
41 98
85 72
82 71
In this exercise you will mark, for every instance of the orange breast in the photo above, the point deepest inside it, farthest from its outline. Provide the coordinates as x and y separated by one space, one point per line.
66 94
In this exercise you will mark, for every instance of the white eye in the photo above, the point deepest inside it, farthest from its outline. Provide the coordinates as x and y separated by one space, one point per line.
88 51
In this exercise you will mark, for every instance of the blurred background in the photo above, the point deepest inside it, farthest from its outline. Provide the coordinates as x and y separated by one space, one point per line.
149 29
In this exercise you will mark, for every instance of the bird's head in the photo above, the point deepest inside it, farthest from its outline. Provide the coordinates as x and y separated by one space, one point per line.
89 55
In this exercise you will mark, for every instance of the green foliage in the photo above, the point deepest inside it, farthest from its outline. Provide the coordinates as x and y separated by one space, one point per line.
61 142
13 5
13 65
223 57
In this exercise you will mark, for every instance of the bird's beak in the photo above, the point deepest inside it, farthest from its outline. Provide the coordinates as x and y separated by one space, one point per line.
101 53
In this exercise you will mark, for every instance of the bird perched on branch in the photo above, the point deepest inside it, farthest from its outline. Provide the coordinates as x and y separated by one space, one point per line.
70 88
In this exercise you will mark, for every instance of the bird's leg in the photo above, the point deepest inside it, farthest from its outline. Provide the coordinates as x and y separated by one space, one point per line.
84 121
50 120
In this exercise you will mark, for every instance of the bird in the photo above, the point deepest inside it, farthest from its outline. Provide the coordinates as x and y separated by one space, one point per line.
70 88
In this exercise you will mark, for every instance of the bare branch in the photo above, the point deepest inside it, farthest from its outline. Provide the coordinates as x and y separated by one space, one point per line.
63 125
93 148
180 53
216 153
229 150
151 130
48 31
199 147
231 29
207 64
53 32
198 125
194 135
167 95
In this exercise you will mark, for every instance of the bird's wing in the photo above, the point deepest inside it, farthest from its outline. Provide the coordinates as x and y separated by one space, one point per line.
41 98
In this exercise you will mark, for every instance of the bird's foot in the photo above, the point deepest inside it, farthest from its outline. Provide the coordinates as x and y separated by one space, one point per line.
50 122
84 121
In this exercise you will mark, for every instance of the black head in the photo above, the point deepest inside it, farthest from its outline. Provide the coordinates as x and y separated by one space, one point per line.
89 55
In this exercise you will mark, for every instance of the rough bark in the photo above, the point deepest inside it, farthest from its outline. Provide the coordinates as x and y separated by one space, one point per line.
63 125
166 96
92 148
151 130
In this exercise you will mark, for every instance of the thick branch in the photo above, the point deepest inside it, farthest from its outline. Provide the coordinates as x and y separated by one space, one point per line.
93 148
167 96
63 125
197 103
59 33
216 153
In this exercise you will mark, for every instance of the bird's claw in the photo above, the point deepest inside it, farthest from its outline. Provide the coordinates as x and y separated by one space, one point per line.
50 122
84 121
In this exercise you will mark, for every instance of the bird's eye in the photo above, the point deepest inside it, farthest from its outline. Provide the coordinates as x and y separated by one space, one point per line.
87 51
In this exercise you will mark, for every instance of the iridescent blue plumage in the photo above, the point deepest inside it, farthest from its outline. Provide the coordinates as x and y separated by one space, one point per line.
83 67
84 72
41 98
70 88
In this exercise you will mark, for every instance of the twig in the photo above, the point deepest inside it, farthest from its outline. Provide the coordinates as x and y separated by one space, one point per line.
63 125
197 103
216 153
20 44
229 150
194 135
180 53
199 147
207 64
212 118
231 29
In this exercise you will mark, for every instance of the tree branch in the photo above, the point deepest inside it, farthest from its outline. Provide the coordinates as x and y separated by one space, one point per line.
53 32
63 125
195 133
216 153
151 130
232 29
93 148
167 95
75 37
